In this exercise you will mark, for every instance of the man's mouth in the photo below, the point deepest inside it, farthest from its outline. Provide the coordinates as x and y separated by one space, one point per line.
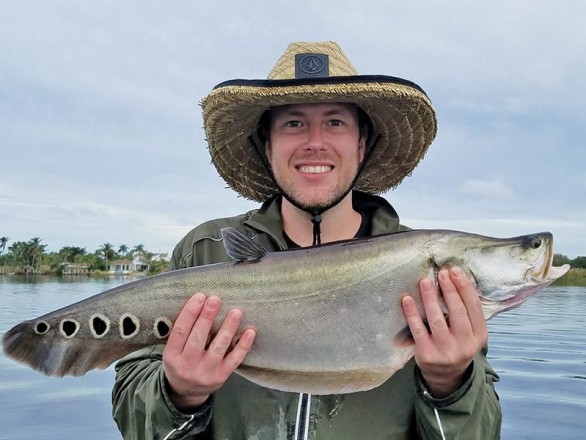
315 169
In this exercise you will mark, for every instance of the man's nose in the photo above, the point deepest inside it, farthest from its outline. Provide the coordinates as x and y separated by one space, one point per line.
315 138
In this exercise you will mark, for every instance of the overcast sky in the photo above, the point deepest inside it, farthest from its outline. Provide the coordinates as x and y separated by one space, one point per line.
101 133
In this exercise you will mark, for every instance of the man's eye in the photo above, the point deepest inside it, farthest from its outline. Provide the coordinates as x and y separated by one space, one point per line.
336 123
293 124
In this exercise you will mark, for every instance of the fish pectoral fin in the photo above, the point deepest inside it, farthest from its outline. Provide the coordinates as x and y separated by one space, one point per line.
55 356
316 382
239 247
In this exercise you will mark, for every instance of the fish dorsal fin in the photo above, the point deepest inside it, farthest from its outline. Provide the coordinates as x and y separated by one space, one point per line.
239 247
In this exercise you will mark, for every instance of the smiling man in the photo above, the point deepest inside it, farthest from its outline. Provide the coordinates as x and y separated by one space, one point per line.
314 152
314 143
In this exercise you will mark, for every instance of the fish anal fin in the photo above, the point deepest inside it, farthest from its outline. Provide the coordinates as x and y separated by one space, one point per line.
316 382
239 247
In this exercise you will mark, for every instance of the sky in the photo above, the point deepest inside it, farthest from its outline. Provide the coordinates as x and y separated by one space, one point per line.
101 137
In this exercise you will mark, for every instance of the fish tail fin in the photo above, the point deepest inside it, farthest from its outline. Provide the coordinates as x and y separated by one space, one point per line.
53 355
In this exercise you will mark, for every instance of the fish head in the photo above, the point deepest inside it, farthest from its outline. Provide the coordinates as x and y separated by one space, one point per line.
505 271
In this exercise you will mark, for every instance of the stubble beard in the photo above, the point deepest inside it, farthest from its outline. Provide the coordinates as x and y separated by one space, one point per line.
317 201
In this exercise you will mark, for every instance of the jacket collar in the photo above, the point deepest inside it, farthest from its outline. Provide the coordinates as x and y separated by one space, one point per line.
383 216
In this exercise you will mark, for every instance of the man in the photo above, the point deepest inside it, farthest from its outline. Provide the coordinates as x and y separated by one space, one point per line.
314 143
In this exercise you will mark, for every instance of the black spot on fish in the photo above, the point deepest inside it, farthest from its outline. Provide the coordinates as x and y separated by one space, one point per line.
99 325
129 326
41 328
162 328
69 328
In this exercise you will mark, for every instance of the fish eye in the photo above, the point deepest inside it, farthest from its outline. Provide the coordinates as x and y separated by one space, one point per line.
534 242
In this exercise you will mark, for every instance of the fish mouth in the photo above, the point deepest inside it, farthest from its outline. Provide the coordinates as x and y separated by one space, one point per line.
549 275
522 295
540 275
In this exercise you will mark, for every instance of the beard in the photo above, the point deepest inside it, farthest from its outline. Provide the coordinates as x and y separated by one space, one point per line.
319 199
317 206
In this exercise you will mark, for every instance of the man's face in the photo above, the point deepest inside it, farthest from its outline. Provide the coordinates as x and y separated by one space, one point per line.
315 151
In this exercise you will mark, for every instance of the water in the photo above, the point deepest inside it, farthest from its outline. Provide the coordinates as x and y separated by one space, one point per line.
539 350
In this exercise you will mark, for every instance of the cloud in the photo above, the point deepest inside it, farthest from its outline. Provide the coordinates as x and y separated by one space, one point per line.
495 189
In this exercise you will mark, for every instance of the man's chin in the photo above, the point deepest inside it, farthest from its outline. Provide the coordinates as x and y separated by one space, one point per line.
315 202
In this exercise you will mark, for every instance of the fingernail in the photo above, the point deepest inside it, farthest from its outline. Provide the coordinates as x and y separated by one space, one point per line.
213 302
427 283
235 315
456 271
249 334
198 298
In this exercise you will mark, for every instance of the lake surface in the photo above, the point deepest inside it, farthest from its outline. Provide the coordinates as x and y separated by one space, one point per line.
539 350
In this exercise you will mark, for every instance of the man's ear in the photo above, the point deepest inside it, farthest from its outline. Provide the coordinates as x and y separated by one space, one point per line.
362 147
268 150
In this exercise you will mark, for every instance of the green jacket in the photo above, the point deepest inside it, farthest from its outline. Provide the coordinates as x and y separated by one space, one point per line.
398 409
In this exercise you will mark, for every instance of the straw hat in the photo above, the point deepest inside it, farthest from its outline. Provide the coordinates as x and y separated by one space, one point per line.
401 114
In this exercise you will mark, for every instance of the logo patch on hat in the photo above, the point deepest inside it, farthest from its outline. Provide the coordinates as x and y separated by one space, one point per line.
311 65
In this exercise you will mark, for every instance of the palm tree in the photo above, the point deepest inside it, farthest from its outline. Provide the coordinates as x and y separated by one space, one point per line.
18 252
108 251
69 253
138 249
123 249
3 243
35 251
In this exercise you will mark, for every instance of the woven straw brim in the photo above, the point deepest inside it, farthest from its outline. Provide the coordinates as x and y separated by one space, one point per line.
401 114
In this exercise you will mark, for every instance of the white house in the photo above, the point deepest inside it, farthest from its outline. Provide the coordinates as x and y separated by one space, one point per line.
125 267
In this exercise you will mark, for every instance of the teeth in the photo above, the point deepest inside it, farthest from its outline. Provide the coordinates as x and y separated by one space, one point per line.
314 169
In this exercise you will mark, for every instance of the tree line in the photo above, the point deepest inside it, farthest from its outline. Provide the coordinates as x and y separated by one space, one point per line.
32 256
576 263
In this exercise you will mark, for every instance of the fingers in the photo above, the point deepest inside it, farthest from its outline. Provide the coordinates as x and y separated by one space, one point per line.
444 351
462 303
195 346
464 306
190 336
416 325
452 283
238 353
195 364
183 325
436 320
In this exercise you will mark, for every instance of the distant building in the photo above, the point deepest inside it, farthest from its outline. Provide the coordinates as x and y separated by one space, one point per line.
74 269
161 256
127 266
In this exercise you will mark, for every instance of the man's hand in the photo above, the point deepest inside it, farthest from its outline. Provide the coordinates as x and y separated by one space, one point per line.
193 368
445 351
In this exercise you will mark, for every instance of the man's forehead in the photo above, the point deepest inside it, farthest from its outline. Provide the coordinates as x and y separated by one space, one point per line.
326 107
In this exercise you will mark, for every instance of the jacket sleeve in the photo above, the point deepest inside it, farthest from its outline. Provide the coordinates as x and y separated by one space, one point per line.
140 404
473 411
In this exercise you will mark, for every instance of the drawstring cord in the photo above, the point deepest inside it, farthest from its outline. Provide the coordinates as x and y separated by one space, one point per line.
316 220
439 423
